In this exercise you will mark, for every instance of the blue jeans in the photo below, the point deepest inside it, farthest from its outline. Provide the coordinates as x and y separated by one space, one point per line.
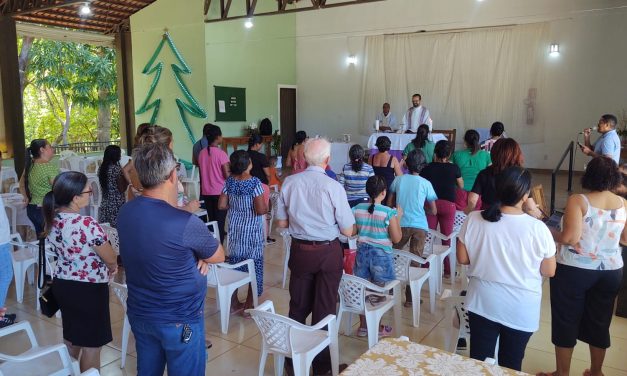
36 216
6 271
161 344
374 264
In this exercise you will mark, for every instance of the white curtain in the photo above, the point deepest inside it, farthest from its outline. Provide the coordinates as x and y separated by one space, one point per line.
467 79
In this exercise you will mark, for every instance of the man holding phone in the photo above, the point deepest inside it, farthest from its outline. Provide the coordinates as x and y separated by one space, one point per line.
609 142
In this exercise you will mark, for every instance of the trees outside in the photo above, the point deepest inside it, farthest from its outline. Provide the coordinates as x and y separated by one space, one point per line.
69 91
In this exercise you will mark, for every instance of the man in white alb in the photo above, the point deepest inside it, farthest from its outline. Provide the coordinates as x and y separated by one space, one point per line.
387 121
416 116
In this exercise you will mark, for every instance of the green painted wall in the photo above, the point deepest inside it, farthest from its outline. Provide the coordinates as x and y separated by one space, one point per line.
185 23
221 54
258 59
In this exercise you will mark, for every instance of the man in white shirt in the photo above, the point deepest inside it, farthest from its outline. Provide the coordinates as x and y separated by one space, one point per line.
416 116
387 121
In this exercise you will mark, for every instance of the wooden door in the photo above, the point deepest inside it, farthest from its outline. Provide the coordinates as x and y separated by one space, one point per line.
287 107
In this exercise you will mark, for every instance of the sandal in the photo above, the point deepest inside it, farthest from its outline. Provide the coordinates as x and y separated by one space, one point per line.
384 331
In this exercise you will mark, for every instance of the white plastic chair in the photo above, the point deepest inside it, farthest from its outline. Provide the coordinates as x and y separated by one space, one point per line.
112 235
95 199
24 259
8 173
274 192
287 243
193 182
51 262
441 251
89 165
91 372
282 336
226 280
121 291
11 211
454 307
38 360
215 230
353 291
460 217
415 277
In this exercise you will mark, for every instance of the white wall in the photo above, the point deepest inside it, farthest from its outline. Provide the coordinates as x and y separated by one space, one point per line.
586 81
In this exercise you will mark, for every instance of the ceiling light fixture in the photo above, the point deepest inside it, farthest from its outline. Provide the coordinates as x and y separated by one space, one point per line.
249 23
351 60
85 10
554 50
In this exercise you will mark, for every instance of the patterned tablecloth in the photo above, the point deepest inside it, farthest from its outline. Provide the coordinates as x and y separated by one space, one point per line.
399 357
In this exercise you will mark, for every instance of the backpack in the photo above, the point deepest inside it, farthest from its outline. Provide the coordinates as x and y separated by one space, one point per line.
265 128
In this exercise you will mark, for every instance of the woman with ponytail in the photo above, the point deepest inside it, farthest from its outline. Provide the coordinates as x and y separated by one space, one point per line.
85 262
421 142
378 227
354 176
508 252
472 159
214 170
37 179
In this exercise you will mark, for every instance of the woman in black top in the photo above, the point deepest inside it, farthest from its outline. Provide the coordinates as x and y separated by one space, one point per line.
445 177
385 164
505 153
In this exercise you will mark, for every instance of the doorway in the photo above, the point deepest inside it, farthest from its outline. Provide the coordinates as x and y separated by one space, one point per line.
287 117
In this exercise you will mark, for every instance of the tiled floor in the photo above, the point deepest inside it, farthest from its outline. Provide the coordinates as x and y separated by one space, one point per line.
237 353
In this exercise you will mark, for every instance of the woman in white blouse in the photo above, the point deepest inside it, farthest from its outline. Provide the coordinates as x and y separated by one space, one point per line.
508 253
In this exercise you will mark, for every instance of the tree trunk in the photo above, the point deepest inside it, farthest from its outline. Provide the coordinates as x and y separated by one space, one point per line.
23 60
104 117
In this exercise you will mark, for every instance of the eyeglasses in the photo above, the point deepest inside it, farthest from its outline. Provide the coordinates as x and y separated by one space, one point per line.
89 191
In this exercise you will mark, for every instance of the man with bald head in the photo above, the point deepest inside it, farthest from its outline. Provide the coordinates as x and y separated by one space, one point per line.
387 120
315 209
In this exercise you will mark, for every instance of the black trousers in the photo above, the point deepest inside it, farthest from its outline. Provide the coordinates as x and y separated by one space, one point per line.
316 271
512 342
621 303
36 215
215 214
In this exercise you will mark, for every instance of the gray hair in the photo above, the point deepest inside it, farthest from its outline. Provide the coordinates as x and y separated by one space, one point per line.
317 150
154 162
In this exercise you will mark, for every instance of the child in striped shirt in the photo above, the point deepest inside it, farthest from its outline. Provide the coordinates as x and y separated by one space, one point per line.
378 228
354 176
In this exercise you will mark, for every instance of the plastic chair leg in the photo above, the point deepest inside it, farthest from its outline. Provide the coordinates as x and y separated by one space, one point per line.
126 329
415 298
225 311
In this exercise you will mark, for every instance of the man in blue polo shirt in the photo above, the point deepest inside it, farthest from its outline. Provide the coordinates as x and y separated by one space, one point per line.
609 142
166 252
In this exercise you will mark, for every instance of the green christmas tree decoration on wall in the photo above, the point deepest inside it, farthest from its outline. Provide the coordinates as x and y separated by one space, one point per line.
190 106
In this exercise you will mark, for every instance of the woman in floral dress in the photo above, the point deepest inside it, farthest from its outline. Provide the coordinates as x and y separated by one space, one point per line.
109 173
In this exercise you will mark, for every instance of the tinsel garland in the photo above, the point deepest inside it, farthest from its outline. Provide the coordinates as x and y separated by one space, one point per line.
191 106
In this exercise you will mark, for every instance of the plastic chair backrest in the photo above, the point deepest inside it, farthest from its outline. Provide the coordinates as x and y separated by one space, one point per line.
352 293
460 217
121 291
112 235
274 328
401 265
96 194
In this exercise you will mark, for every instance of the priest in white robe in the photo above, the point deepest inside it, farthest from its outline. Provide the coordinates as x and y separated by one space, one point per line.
416 116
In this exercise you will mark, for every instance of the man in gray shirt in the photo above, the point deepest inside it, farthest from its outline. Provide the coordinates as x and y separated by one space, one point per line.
315 209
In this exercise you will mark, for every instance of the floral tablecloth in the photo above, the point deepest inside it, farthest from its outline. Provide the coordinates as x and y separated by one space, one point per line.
399 357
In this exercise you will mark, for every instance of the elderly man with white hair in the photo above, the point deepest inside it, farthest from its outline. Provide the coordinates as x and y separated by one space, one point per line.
315 209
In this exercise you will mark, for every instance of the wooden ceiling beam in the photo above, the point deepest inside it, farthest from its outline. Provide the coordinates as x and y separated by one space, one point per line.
26 8
250 7
73 19
281 3
207 5
67 24
100 15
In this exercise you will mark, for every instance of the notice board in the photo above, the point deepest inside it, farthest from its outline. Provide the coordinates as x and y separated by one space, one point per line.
230 103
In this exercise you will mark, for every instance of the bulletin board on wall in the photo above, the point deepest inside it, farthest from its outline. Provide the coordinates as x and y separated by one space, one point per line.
230 103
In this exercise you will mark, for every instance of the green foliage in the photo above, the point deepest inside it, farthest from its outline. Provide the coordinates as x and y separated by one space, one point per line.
69 77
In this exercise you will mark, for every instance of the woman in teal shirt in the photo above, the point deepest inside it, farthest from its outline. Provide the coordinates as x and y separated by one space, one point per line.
421 142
